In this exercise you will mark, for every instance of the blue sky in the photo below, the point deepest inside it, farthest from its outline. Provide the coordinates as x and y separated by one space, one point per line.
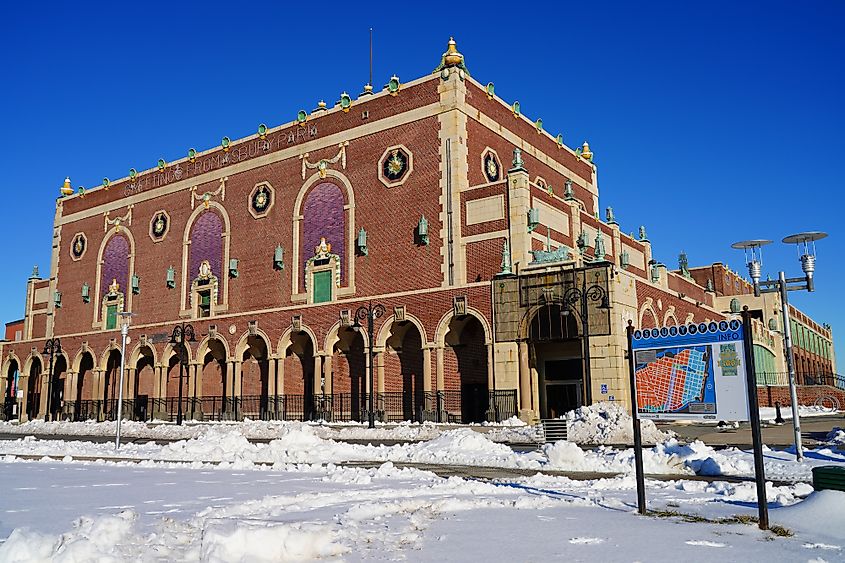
711 122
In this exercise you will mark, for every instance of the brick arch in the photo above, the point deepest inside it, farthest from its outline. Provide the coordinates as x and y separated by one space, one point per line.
647 311
300 241
403 370
443 326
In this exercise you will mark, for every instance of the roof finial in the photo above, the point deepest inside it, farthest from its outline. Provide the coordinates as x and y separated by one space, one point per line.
452 57
67 189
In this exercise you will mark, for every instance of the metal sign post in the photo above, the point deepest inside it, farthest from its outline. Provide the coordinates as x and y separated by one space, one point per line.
756 437
638 437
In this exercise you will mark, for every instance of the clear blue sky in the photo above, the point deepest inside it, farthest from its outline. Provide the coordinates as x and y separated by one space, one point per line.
710 124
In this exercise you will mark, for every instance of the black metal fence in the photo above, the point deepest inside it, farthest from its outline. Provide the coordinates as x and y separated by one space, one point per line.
832 379
460 406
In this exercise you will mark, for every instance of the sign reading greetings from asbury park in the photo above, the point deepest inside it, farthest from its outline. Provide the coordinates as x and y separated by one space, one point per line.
694 371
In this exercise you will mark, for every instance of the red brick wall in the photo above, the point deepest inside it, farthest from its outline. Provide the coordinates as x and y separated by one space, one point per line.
824 395
484 259
682 308
480 137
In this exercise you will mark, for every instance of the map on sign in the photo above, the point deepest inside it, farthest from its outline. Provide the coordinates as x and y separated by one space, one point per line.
691 372
676 380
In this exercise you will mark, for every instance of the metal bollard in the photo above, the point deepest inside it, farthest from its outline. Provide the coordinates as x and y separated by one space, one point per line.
778 418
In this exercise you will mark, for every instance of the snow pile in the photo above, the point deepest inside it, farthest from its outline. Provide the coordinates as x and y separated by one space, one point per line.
463 447
609 423
92 539
234 540
835 436
819 514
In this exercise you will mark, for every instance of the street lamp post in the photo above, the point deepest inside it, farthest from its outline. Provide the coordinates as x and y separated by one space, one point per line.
124 332
371 313
577 299
806 243
52 347
181 333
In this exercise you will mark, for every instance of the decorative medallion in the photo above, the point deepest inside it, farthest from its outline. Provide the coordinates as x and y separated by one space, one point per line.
491 166
395 165
78 246
261 199
159 226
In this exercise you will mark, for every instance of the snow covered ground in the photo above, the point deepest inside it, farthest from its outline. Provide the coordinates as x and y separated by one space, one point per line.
297 443
77 511
295 498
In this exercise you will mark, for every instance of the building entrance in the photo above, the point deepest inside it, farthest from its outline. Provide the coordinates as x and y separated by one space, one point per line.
562 390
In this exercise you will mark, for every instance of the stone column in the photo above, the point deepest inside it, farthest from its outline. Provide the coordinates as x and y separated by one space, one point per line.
380 357
440 362
327 374
427 405
42 408
318 373
490 384
23 383
129 383
524 379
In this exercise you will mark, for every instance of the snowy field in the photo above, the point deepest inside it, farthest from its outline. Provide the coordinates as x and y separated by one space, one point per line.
215 496
78 511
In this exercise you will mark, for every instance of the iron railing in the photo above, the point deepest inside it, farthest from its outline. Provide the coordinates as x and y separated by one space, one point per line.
466 405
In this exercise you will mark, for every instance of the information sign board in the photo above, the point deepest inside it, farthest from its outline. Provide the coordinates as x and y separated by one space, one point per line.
691 372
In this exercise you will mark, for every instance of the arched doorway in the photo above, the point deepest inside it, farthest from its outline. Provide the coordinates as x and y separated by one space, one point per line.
33 389
144 387
255 379
111 385
299 378
217 397
404 395
85 388
465 370
555 353
11 391
349 375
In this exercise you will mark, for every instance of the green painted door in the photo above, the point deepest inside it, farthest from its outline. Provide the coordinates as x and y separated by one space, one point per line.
322 286
111 317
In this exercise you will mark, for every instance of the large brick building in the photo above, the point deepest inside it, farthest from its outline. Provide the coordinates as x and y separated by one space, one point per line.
414 197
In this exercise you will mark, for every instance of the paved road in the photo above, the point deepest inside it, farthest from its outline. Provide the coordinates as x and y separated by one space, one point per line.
813 431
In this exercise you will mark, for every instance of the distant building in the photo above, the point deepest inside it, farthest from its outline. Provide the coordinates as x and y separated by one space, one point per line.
812 343
14 331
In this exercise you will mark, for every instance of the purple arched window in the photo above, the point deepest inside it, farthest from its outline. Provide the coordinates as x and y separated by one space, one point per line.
323 216
207 244
115 264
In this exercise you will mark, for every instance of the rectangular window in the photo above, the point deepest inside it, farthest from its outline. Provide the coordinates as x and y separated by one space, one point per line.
322 286
111 317
204 304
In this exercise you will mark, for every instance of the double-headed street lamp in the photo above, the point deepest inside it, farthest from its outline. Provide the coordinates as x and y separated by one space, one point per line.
806 244
577 299
182 333
52 347
371 313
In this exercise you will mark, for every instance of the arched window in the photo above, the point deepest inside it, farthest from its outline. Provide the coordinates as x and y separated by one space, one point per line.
205 266
323 242
114 278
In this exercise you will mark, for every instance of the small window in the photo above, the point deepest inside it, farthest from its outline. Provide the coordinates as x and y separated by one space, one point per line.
204 304
322 286
111 317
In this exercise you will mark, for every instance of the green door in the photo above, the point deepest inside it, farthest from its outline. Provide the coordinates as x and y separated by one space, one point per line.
322 286
111 317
